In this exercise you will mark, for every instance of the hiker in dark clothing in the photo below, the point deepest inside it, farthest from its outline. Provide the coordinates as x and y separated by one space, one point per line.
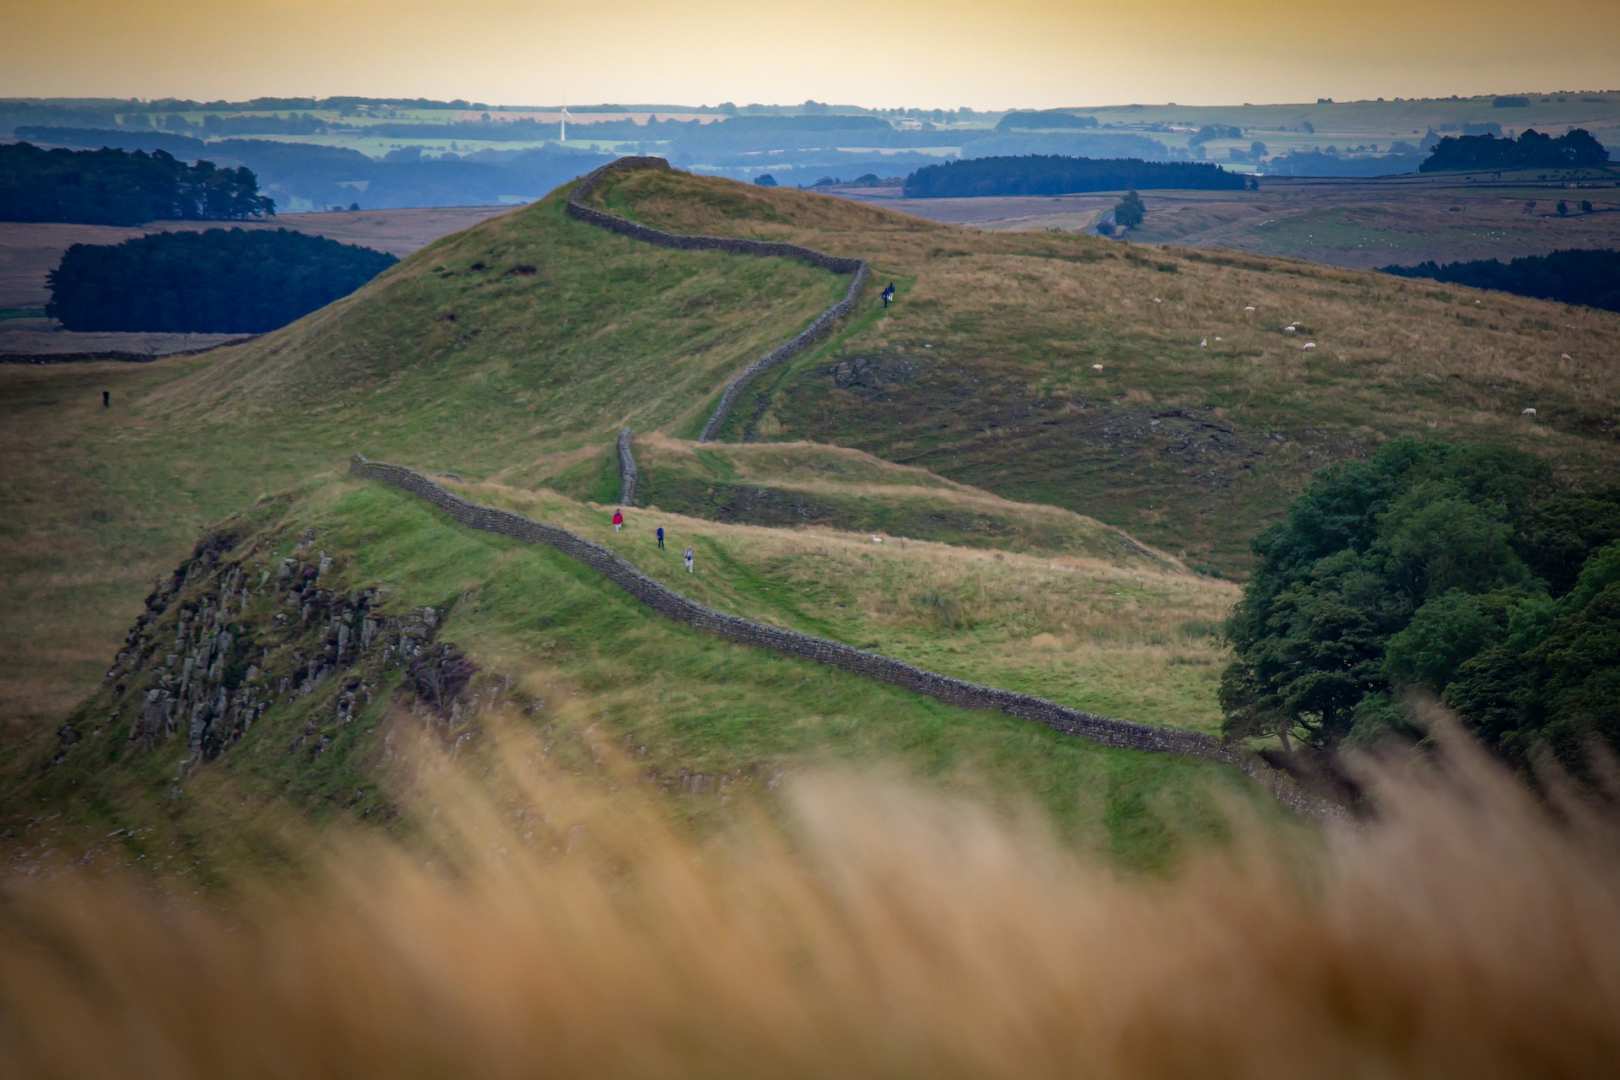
660 538
106 399
888 294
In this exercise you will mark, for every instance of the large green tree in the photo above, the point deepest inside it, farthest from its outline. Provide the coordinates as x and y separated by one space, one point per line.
1467 572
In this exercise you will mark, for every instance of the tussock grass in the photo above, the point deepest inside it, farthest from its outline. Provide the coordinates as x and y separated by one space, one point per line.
561 929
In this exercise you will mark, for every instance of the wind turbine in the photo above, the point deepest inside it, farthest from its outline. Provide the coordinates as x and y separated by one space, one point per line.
562 122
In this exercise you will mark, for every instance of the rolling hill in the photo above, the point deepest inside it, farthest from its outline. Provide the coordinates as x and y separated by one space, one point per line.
1030 397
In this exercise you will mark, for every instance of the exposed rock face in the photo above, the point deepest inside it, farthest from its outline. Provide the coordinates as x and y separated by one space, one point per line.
231 634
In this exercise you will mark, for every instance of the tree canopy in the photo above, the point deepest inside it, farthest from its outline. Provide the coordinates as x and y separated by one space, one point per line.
1531 150
116 187
1590 277
216 281
1046 119
1466 572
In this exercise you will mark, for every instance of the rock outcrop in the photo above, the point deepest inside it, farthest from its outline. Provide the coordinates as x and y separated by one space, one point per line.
235 632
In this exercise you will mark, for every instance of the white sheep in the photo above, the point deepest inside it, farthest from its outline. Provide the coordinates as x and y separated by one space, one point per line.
1308 345
1290 329
1531 413
1096 367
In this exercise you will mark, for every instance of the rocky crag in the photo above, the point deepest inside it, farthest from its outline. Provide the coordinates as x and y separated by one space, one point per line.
235 632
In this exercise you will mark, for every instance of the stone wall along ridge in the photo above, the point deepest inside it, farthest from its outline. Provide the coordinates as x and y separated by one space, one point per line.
576 207
627 469
952 691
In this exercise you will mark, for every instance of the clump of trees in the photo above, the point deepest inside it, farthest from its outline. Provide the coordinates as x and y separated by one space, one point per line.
1129 212
1531 150
1054 175
1046 119
214 281
1589 277
116 187
1465 572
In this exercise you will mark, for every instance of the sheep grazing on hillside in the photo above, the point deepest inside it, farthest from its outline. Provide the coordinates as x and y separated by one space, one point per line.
1531 413
1204 343
1096 367
1249 308
1290 329
1308 345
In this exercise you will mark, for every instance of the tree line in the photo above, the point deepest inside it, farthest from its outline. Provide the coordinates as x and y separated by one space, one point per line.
214 281
1576 149
1052 175
1468 573
1589 277
115 187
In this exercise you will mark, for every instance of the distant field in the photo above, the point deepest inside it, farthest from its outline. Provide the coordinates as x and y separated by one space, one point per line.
1362 224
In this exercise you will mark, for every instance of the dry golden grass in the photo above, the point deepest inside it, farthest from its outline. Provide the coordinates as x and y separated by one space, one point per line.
543 926
1135 639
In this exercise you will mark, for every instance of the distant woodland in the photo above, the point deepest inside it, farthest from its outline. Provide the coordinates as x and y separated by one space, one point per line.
1049 175
326 176
1043 120
1531 150
117 187
217 281
1591 278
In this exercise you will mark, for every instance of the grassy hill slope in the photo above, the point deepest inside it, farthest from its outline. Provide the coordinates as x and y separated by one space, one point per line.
1137 386
592 671
508 357
497 352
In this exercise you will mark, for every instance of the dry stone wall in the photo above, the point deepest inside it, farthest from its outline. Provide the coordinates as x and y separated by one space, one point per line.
823 323
944 688
627 470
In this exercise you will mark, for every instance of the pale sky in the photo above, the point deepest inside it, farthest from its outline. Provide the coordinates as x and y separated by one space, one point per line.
934 53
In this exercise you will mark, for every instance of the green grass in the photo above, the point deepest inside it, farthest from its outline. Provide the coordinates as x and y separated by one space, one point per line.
1131 638
601 666
535 370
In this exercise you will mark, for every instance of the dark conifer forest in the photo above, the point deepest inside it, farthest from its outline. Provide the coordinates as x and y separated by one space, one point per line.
1041 174
1591 278
118 187
217 281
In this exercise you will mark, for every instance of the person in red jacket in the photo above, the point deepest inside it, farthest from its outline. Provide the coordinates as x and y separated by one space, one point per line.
618 520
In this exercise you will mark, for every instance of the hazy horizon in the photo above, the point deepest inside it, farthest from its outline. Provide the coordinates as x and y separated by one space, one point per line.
945 53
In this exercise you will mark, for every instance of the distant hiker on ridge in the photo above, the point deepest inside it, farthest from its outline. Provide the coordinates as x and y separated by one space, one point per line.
618 520
660 538
687 555
106 399
888 294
